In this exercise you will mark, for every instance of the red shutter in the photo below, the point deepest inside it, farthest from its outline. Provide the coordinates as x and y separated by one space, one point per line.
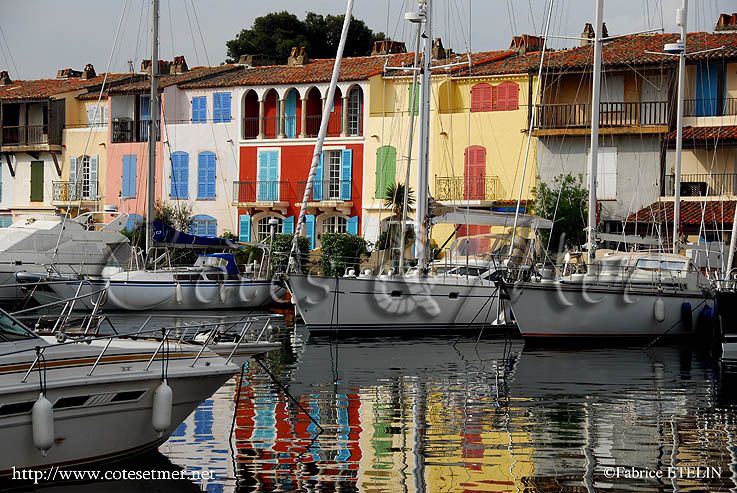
481 98
474 173
495 98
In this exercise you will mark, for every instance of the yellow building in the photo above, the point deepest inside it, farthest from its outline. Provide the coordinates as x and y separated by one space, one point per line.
478 124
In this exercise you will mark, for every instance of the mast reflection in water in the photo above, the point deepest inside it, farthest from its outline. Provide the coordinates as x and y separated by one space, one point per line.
423 415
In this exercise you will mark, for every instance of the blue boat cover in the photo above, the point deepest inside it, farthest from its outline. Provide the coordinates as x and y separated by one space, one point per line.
166 234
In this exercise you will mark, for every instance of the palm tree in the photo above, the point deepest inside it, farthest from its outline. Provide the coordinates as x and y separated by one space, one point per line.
394 199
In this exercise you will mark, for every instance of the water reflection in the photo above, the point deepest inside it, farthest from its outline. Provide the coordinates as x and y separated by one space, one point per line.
424 415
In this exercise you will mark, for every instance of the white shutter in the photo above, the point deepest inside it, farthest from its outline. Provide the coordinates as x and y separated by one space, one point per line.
606 173
93 178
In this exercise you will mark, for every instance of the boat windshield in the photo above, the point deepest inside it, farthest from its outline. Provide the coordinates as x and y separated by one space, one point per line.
13 330
655 264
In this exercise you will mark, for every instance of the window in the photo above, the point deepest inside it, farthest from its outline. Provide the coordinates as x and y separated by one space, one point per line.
334 224
83 178
206 175
6 221
505 97
221 107
707 88
204 225
267 188
606 173
263 229
199 109
474 173
37 181
355 112
13 330
179 175
386 169
333 176
97 115
128 188
133 221
481 98
144 110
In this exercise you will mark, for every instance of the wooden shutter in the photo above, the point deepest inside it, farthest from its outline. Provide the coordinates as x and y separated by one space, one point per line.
317 185
206 175
346 180
310 230
481 97
287 225
179 175
225 107
386 168
217 112
244 233
351 225
37 181
474 172
129 176
93 177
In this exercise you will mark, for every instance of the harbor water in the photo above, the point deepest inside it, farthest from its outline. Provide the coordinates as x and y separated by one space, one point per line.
456 413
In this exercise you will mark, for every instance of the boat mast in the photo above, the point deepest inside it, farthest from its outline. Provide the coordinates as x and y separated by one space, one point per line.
594 154
294 260
152 127
421 241
681 16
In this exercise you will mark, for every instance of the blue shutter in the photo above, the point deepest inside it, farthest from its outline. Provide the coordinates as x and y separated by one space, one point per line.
290 115
195 109
317 185
212 227
351 225
310 230
129 176
287 225
211 175
707 78
225 107
346 182
273 166
245 229
179 175
263 177
202 176
216 108
203 109
173 185
199 109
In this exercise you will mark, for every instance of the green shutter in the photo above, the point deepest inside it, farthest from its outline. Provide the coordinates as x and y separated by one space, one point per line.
417 99
386 169
37 181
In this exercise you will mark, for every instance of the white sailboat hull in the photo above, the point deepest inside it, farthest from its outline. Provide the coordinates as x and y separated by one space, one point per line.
422 304
142 290
555 310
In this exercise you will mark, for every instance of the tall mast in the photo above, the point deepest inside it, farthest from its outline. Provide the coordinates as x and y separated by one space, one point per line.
594 157
152 127
421 241
681 17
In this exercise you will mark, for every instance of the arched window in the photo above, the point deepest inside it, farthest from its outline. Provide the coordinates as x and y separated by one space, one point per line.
474 173
204 225
481 97
506 96
355 111
263 228
334 224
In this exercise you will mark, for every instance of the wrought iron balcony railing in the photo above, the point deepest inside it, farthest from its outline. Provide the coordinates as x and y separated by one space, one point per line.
467 188
64 191
260 191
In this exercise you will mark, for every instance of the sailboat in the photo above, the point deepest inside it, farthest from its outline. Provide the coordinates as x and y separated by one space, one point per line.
214 282
410 299
638 294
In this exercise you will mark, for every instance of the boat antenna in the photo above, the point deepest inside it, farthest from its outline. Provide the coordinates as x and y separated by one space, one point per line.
681 19
152 128
294 260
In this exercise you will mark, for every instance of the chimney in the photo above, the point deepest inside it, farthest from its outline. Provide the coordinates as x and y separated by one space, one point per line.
5 78
726 22
67 73
588 33
526 43
298 57
163 67
438 52
388 47
255 60
89 72
179 65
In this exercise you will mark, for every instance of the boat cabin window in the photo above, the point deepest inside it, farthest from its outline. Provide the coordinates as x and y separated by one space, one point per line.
468 271
655 264
12 330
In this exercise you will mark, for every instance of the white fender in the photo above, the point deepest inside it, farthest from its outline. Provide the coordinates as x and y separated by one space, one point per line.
178 293
659 309
223 293
42 418
161 410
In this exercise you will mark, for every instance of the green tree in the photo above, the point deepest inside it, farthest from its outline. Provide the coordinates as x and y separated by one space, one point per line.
394 199
281 249
177 216
565 203
273 36
342 251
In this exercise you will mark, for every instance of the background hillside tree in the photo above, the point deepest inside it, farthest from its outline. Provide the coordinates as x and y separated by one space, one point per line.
273 35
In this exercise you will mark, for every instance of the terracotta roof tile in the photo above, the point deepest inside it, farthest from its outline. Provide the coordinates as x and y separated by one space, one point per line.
19 90
166 80
320 70
624 51
726 133
716 212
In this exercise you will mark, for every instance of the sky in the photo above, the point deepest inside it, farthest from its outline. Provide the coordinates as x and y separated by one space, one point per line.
39 37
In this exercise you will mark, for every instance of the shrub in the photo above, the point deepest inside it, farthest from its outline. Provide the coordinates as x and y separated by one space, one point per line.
280 252
342 251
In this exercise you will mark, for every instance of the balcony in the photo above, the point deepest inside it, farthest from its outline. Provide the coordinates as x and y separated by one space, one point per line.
576 118
703 185
471 188
131 131
259 193
710 107
327 191
250 127
64 191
